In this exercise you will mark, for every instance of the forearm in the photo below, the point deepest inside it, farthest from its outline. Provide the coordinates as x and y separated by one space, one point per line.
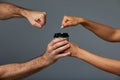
106 64
8 10
21 70
103 31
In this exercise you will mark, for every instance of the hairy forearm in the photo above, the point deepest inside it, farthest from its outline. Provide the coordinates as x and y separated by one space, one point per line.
20 70
106 64
103 31
8 10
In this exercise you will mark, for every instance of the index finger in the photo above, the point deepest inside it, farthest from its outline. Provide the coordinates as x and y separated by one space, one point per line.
56 40
64 21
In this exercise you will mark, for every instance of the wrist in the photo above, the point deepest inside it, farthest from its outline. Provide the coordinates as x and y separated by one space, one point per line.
19 11
79 53
24 12
46 60
75 53
81 20
82 54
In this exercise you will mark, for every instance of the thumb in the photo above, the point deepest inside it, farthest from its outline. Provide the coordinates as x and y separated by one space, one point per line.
35 23
66 24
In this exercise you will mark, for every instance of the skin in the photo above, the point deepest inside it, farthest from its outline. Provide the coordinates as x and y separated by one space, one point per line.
35 18
106 64
105 32
53 52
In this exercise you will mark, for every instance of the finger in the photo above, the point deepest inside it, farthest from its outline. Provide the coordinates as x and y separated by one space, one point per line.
66 24
43 18
59 44
63 55
34 23
56 40
64 21
44 13
37 25
69 23
61 49
53 46
40 22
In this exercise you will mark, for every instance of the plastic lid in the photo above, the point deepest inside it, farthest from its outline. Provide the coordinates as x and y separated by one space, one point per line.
64 35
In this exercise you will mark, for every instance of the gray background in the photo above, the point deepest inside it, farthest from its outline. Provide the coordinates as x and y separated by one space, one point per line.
19 41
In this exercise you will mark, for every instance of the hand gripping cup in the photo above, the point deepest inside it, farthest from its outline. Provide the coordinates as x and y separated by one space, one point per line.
61 35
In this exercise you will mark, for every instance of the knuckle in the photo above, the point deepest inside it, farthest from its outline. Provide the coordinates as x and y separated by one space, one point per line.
55 40
54 46
65 16
54 52
68 45
33 23
49 49
39 27
44 13
49 44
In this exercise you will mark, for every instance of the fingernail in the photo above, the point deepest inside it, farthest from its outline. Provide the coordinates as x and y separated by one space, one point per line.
62 26
68 45
68 53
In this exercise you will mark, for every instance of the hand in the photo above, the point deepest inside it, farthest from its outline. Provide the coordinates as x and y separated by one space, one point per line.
71 21
36 18
74 49
56 49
